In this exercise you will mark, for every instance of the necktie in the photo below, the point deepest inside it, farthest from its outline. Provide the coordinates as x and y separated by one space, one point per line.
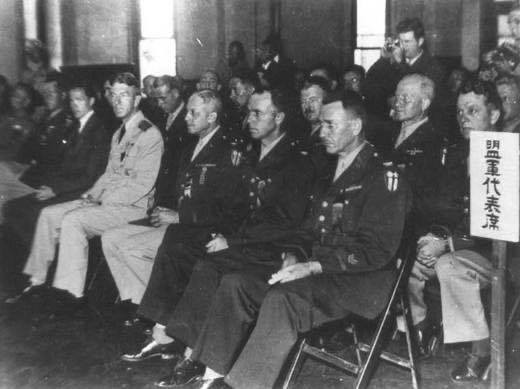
401 137
121 134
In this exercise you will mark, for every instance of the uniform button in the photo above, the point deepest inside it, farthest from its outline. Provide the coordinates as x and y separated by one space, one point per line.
323 230
251 194
324 204
466 211
466 198
346 202
321 218
252 180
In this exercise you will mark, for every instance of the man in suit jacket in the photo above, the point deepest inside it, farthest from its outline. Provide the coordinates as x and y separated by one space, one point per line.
85 154
206 193
415 147
279 182
351 235
273 69
121 194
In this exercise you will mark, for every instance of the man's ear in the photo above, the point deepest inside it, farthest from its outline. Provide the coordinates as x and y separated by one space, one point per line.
91 101
279 118
495 115
137 101
212 117
425 104
357 126
420 41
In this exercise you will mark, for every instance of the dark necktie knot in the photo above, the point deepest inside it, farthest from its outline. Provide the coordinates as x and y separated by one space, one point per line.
121 134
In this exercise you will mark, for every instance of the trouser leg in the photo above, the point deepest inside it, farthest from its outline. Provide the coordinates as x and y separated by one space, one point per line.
461 275
43 248
76 228
416 282
229 320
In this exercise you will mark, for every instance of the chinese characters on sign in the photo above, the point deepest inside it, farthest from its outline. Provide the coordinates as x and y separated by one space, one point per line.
494 175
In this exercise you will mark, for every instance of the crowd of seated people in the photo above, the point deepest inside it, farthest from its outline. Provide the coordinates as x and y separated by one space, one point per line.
246 211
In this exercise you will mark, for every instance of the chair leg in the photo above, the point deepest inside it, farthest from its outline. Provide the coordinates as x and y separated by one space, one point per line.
375 350
296 361
513 311
407 325
353 331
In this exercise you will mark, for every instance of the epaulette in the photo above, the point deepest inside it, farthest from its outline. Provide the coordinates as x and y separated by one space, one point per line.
144 125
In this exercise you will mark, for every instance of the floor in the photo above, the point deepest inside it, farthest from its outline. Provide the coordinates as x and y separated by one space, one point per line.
47 343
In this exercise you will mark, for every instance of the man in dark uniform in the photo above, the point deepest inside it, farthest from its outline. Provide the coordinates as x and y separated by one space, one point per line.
84 152
279 181
460 263
207 197
351 237
273 68
415 147
407 55
242 85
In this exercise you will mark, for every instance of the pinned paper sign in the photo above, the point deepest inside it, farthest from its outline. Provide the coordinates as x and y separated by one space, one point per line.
494 175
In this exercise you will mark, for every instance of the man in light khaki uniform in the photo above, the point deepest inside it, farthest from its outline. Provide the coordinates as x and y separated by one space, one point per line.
120 195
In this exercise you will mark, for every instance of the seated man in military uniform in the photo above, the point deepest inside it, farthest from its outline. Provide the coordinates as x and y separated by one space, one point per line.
120 195
279 180
208 193
460 263
351 236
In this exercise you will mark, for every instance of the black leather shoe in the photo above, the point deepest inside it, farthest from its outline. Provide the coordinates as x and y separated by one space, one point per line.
31 290
154 349
185 372
426 336
474 368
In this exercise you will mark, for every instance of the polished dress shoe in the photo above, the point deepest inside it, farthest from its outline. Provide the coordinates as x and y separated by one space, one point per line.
31 290
426 336
154 349
185 372
215 383
474 368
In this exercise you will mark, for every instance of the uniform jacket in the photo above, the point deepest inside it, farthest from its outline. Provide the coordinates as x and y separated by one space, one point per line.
450 205
279 186
418 159
84 159
133 165
46 149
209 189
176 138
278 74
357 221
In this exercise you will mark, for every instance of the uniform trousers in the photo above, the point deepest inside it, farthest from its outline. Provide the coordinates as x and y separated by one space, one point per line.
462 274
72 224
130 251
189 316
181 247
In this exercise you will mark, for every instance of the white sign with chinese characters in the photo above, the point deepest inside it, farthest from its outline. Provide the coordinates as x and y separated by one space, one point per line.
494 193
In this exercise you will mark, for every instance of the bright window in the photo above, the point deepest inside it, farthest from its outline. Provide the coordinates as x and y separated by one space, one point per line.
157 44
371 26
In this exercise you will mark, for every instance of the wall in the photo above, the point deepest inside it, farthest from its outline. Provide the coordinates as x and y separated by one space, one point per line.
317 31
11 41
99 31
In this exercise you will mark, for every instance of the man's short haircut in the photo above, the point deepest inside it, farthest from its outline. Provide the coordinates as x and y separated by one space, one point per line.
247 77
508 80
358 69
484 88
411 24
329 69
210 98
274 42
127 78
172 82
148 77
87 88
426 85
284 100
318 81
212 72
57 77
352 102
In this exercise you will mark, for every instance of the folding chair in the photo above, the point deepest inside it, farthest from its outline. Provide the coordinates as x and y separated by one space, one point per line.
364 369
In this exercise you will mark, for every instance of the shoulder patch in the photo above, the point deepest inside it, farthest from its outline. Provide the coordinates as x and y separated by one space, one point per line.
144 125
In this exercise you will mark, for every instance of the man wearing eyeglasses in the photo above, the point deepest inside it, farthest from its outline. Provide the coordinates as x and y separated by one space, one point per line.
508 88
120 195
279 181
